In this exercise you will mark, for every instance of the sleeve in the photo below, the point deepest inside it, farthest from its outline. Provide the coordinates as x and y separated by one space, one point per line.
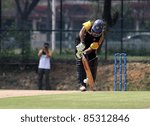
95 45
87 25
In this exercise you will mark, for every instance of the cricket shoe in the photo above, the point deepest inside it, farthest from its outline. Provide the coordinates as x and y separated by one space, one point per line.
82 88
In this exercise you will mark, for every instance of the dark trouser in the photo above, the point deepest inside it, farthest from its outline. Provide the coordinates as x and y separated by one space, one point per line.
93 66
43 73
81 75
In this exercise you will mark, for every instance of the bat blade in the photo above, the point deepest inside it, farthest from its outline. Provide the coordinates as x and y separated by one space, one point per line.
88 72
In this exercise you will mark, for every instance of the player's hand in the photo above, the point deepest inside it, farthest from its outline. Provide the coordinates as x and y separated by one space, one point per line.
80 47
79 54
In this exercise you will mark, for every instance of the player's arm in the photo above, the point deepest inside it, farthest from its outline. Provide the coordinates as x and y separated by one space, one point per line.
81 34
81 46
88 50
95 45
86 26
48 53
40 53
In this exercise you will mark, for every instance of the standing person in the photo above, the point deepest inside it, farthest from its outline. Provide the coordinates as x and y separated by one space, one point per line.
44 66
90 38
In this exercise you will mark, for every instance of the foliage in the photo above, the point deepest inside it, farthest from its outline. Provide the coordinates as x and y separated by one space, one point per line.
10 56
7 4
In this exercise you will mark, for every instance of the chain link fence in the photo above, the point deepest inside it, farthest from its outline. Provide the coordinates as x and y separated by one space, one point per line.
58 22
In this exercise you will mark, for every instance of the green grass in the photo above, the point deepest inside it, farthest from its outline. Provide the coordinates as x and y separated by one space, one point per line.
79 100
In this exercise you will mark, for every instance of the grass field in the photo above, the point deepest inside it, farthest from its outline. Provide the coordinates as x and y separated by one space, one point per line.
80 100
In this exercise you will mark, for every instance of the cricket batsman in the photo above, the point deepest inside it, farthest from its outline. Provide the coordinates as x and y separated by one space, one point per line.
90 38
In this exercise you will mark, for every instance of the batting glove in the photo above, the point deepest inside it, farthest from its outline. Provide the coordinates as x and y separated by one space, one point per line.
80 47
79 54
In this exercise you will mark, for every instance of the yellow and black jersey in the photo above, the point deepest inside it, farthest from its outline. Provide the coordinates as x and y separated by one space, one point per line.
91 41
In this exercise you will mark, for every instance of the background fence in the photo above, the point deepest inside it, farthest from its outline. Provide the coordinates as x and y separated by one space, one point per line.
26 24
58 23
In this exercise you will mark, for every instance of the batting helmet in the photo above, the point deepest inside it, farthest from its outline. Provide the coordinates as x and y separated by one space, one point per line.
98 27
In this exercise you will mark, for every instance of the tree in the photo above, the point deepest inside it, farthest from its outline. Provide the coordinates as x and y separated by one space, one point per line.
24 9
110 19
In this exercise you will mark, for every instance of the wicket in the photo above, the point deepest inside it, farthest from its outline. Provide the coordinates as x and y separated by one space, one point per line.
119 60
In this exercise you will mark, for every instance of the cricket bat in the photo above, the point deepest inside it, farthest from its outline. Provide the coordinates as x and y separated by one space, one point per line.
88 72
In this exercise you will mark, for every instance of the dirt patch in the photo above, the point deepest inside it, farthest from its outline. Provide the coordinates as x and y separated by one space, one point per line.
15 93
138 76
63 77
